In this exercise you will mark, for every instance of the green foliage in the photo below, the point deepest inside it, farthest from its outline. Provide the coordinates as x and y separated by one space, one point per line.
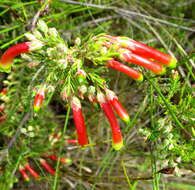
162 109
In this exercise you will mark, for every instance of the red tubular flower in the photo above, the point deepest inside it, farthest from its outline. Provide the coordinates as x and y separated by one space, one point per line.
2 107
2 119
79 121
125 69
67 161
128 56
24 174
3 91
113 100
31 170
72 141
116 133
38 102
47 166
146 51
7 58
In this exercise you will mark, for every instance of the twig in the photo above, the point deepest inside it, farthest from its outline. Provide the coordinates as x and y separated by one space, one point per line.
37 15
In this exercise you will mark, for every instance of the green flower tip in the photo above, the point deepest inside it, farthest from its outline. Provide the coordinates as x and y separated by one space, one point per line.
126 119
5 68
27 179
163 71
68 161
173 63
36 108
118 146
140 79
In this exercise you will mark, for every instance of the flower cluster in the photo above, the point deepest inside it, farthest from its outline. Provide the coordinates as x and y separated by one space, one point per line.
43 162
26 167
76 71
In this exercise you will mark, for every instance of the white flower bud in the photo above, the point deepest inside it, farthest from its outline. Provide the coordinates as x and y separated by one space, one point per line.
171 146
53 32
78 41
104 50
30 128
83 89
51 52
63 63
62 48
91 90
30 37
26 57
31 134
42 26
37 34
35 45
23 130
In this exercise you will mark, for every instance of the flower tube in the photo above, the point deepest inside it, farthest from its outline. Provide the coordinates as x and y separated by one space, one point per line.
116 133
113 100
2 119
31 170
143 50
125 69
79 121
38 101
6 59
130 57
47 166
24 174
67 161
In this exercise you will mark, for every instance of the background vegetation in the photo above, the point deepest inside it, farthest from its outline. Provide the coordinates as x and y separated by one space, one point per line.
159 142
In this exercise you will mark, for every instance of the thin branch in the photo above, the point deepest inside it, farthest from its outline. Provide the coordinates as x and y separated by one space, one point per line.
38 14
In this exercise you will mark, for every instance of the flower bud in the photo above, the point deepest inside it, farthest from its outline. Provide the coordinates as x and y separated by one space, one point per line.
78 41
62 48
53 32
82 90
37 34
42 26
65 93
81 76
30 37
